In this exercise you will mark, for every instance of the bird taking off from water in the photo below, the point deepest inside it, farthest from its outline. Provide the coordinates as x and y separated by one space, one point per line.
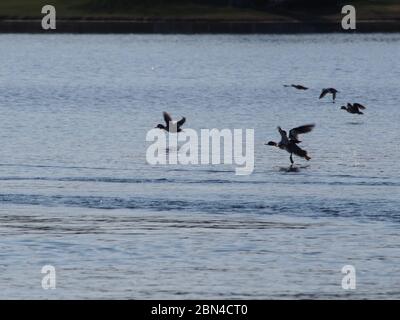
296 86
353 108
332 91
171 126
290 143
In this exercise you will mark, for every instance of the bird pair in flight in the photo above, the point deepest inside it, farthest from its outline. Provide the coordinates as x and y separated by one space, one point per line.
288 143
324 91
350 108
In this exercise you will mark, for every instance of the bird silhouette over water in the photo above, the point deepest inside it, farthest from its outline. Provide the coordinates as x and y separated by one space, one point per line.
290 144
296 86
353 108
332 91
171 126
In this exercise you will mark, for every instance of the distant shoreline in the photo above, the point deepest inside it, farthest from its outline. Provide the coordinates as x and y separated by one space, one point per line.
194 26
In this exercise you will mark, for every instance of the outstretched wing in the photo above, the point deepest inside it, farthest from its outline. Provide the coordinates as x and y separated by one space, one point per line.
181 122
359 106
323 93
167 118
294 133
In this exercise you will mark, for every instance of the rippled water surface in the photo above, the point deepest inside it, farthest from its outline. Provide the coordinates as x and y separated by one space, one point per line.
76 191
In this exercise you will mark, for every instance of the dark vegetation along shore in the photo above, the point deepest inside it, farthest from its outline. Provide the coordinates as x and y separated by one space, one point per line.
199 16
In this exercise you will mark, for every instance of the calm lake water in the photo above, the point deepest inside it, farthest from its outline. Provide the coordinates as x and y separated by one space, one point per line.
76 191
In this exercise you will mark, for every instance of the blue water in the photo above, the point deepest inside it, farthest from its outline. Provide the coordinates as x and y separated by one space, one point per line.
77 193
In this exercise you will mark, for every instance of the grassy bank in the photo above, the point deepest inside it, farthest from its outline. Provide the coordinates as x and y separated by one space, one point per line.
181 9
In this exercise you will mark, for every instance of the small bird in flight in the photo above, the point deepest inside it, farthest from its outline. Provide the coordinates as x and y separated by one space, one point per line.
353 108
297 86
290 143
332 91
171 126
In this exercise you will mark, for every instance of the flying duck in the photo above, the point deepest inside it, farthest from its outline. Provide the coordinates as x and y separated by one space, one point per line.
332 91
290 143
296 86
353 108
171 126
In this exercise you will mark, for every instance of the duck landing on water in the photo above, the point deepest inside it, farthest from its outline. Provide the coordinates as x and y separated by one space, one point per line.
296 86
353 108
171 126
290 144
332 91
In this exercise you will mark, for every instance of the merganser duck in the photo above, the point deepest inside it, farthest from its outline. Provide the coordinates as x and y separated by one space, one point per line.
353 108
290 143
296 86
332 91
171 126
